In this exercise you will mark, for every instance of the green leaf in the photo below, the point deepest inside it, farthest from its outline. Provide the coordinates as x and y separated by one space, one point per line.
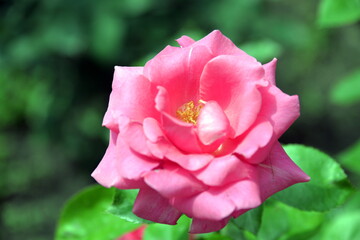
122 206
343 222
231 230
168 232
338 12
214 236
281 221
84 217
328 187
346 91
345 226
250 220
263 51
350 157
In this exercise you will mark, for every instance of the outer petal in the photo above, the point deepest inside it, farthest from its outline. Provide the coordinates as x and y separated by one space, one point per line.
224 170
152 206
258 137
270 70
185 41
212 124
281 109
179 73
205 226
239 212
245 194
212 204
131 165
174 182
236 92
221 45
132 96
107 172
278 172
133 135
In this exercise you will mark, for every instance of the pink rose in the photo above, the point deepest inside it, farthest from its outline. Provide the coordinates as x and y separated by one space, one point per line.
196 130
137 234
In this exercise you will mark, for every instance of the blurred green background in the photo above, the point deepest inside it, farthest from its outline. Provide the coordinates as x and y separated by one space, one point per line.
56 67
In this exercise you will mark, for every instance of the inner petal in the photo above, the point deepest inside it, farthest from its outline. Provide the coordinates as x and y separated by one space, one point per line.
213 124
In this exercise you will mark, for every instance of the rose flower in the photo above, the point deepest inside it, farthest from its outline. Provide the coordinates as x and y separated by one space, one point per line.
196 130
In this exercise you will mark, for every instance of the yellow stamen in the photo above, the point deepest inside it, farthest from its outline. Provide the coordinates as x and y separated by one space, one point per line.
189 112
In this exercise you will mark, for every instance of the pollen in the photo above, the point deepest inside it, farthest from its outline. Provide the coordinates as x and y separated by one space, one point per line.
189 112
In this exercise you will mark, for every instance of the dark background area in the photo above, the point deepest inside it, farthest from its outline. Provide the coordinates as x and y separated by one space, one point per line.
56 67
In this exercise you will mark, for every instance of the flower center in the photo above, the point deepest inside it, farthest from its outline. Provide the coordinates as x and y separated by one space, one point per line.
189 112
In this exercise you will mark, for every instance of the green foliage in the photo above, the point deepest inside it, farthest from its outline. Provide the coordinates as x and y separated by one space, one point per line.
263 51
214 236
345 226
328 187
84 217
350 157
338 12
250 220
342 223
282 222
346 91
122 206
232 16
108 34
168 232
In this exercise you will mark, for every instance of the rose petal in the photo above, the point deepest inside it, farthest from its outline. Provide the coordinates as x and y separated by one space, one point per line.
182 182
223 170
152 206
190 162
212 124
245 193
281 109
258 137
221 45
131 165
132 96
185 41
270 70
152 129
107 172
278 172
163 148
179 73
133 135
162 100
206 226
212 204
236 93
239 212
124 183
183 135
